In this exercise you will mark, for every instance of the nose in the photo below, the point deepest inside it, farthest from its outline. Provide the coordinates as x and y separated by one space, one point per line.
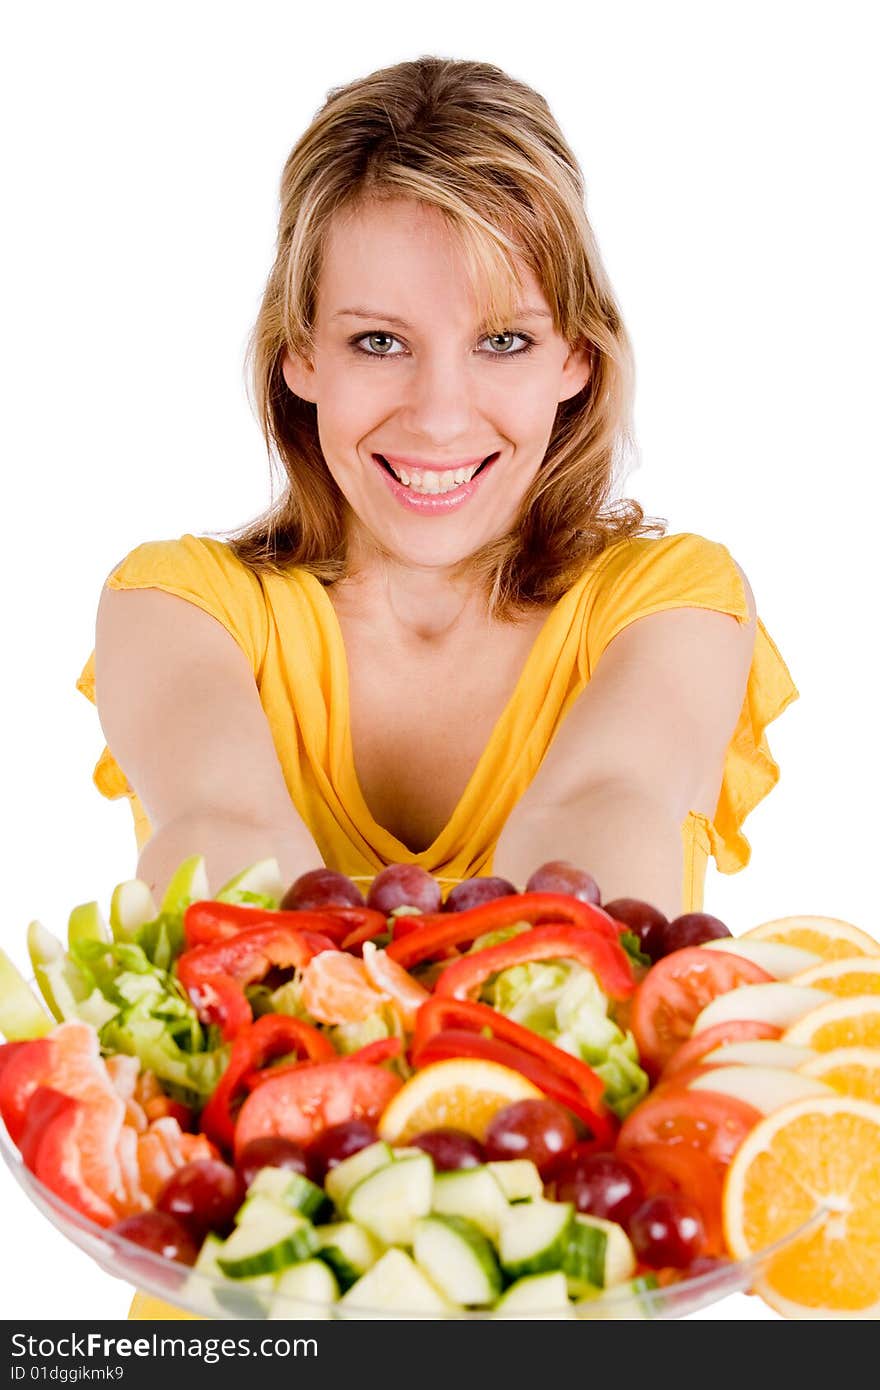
438 404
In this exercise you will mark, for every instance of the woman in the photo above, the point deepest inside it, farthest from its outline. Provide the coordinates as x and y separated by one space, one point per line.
444 644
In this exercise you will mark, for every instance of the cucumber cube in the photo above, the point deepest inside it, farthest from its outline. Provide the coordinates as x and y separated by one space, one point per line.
390 1200
534 1237
290 1190
536 1296
458 1259
473 1193
267 1243
304 1291
518 1179
342 1179
348 1250
394 1286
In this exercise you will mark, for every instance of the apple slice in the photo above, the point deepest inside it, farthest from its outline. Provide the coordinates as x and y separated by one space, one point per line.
776 1003
766 1088
759 1052
131 907
22 1017
777 959
86 923
264 878
189 883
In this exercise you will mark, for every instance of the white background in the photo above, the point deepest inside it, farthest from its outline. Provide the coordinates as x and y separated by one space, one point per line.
729 153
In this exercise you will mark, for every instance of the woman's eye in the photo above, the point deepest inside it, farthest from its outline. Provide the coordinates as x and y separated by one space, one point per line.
379 344
502 343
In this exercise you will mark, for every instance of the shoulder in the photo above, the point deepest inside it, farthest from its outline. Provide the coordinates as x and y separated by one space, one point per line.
634 578
205 572
186 555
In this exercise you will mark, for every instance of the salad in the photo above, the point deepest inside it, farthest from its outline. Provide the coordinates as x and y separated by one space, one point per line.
502 1101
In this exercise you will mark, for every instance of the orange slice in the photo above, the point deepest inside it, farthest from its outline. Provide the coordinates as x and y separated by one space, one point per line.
463 1092
848 1022
827 937
854 1071
819 1153
337 989
851 975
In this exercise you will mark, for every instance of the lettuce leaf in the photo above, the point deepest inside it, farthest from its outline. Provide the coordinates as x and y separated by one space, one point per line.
563 1002
151 1018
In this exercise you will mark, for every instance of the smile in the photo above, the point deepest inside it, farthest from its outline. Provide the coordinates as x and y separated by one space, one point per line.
423 482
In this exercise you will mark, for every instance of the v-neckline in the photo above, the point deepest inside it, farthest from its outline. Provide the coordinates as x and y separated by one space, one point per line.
398 851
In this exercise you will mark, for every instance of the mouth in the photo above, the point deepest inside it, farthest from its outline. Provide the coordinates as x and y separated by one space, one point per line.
423 482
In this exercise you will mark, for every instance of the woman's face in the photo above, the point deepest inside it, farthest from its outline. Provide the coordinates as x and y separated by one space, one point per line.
412 396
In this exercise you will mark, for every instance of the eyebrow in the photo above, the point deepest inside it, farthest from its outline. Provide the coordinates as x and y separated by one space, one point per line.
525 311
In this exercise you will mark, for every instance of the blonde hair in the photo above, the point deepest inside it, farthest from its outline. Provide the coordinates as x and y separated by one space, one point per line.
484 149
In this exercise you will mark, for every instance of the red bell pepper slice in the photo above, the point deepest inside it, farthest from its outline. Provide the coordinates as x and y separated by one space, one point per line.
454 1042
606 959
215 974
440 1013
271 1036
209 920
374 1053
437 931
382 1050
367 930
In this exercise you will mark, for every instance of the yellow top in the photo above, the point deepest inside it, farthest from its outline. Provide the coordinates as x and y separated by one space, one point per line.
288 629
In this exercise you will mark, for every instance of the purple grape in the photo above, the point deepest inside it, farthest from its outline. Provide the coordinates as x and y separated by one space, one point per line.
600 1185
336 1143
691 929
161 1233
537 1129
204 1195
450 1149
404 885
668 1231
474 891
321 888
647 922
270 1151
558 876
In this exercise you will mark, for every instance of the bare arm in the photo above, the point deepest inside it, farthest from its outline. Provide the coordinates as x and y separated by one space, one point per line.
642 746
629 842
180 710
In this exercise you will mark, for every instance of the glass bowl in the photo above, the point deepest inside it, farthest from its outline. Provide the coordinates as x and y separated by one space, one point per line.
207 1296
204 1295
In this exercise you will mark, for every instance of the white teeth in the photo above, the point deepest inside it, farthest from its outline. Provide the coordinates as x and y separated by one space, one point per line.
430 482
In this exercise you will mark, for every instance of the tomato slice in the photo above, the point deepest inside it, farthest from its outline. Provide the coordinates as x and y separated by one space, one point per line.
708 1121
676 990
301 1102
696 1047
685 1169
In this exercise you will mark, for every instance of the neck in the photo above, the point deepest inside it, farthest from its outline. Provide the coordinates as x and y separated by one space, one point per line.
420 605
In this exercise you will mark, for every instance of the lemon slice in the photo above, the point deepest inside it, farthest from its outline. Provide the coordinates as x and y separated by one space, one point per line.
827 937
462 1092
820 1152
